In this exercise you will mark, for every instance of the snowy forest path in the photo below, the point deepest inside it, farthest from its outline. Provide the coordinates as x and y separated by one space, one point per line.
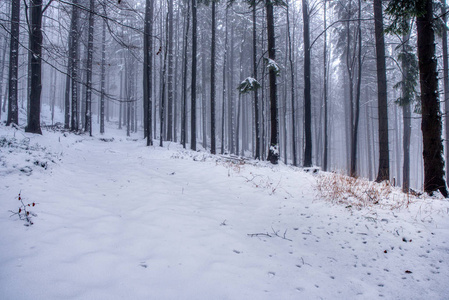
119 220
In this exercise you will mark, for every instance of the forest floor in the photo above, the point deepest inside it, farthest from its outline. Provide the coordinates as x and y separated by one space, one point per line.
114 219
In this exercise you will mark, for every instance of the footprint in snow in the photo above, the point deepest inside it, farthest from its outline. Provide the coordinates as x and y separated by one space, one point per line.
143 265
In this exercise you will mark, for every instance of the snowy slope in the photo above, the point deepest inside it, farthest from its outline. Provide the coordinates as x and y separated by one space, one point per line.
118 220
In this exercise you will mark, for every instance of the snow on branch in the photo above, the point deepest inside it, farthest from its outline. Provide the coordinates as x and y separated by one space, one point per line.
248 85
273 65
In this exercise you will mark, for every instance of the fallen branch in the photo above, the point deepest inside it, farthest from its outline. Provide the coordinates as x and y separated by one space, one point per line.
259 234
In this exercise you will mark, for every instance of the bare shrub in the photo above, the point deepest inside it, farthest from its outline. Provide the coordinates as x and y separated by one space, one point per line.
359 192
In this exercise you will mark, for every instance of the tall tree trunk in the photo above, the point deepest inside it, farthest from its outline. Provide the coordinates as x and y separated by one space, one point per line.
162 108
212 84
184 78
326 146
445 78
292 89
148 72
120 115
397 138
273 153
176 78
431 117
231 127
256 92
170 73
406 117
128 92
307 91
67 85
193 85
13 108
74 64
384 155
225 55
2 69
103 76
203 92
34 118
368 137
90 50
355 131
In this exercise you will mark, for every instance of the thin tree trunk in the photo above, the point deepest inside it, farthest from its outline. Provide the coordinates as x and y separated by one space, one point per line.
90 49
170 73
212 85
176 89
256 92
34 118
292 91
326 142
103 76
231 127
273 153
67 86
368 138
53 96
74 65
162 108
13 108
357 100
184 96
193 85
307 91
225 55
148 72
2 68
203 92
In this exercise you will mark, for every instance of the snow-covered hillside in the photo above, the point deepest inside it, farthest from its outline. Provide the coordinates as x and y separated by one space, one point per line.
118 220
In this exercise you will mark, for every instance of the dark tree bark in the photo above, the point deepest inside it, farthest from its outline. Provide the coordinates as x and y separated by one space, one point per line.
103 76
307 91
225 56
74 65
162 108
13 108
148 72
184 79
212 84
292 90
90 49
256 92
2 69
445 77
326 146
230 81
67 86
431 116
384 155
273 153
170 73
34 117
203 91
193 85
406 115
355 125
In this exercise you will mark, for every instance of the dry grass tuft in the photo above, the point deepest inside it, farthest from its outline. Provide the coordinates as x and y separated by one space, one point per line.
359 192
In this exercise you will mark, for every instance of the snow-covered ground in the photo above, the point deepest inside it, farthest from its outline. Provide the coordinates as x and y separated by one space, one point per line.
118 220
